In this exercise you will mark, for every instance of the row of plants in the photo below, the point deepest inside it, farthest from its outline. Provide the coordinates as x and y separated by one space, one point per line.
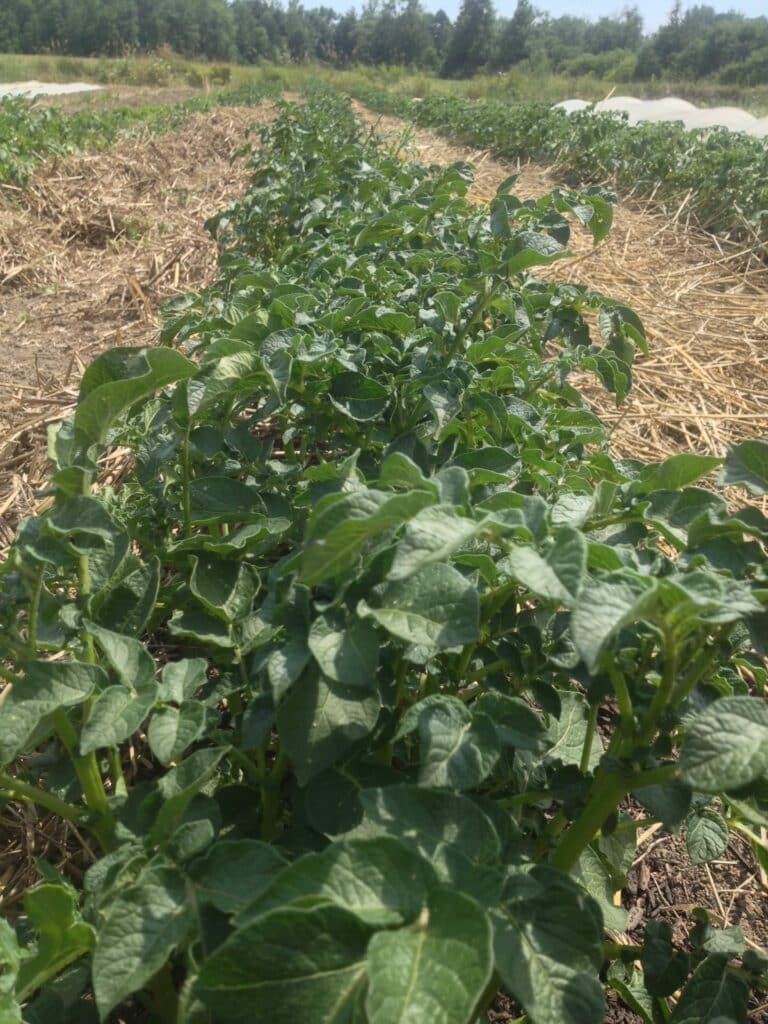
350 680
724 173
31 134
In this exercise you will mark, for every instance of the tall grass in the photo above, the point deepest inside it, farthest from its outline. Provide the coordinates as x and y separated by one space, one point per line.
167 68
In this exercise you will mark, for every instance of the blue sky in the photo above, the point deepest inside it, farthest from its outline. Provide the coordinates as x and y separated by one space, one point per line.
654 12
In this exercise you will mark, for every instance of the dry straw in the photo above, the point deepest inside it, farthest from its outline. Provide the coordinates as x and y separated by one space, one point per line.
86 257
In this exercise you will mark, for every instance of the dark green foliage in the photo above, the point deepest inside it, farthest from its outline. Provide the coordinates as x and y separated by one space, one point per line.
726 173
376 573
30 133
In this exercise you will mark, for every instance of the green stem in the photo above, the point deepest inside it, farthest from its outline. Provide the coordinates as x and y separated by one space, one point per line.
185 484
34 610
747 832
589 735
663 691
116 772
623 699
253 771
15 789
88 774
607 793
270 798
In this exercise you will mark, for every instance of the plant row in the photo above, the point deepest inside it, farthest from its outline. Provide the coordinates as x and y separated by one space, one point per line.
31 134
725 172
349 681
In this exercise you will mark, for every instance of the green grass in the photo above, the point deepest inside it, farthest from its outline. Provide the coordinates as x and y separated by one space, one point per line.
167 68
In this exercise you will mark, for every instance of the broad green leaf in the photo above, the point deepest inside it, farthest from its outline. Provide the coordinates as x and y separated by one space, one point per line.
337 533
225 588
747 464
706 835
116 714
172 730
126 602
381 880
431 536
531 249
559 576
118 378
435 970
178 787
127 657
11 956
286 664
548 948
145 923
220 499
726 746
592 873
291 965
234 871
518 726
566 734
347 655
436 608
449 830
458 748
320 721
202 627
358 397
665 968
180 679
47 686
604 607
714 995
675 472
62 935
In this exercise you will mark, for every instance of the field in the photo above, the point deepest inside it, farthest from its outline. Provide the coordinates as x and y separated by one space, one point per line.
382 598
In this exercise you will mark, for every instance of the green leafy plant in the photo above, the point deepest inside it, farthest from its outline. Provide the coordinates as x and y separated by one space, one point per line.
723 172
395 633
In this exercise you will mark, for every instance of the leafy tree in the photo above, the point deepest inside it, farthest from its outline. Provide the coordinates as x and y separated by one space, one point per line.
514 42
472 39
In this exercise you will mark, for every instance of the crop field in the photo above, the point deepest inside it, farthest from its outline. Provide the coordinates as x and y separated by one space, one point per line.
383 601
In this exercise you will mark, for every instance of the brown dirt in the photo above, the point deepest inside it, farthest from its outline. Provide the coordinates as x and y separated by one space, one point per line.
100 241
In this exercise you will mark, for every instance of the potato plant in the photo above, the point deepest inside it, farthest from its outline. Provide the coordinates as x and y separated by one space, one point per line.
723 173
395 632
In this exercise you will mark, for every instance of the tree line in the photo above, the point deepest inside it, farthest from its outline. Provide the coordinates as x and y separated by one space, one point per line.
694 43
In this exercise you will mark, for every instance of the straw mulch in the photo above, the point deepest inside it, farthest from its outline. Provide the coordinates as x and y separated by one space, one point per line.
86 257
704 303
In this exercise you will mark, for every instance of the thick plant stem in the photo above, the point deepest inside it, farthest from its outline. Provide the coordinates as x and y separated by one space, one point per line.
589 735
270 798
608 792
34 609
185 484
88 774
15 789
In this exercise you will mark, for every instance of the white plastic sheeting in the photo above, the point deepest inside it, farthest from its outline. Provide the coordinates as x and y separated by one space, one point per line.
672 108
44 88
